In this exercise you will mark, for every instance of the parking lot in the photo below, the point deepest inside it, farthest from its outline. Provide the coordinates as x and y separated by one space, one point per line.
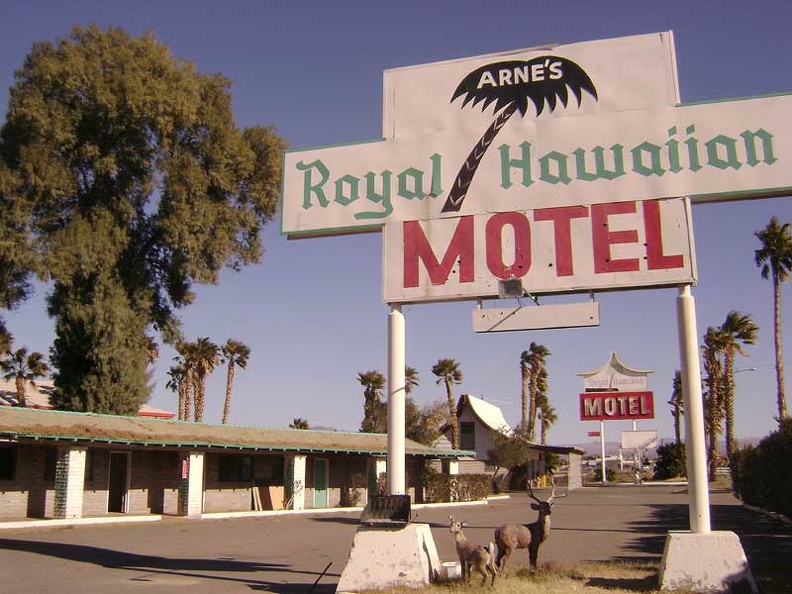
291 553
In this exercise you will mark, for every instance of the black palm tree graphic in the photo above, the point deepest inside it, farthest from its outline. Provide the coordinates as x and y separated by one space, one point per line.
510 84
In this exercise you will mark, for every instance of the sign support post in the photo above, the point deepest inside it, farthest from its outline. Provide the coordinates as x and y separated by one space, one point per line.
698 508
396 381
602 452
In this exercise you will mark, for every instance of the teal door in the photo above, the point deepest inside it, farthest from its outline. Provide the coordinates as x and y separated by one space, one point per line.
320 482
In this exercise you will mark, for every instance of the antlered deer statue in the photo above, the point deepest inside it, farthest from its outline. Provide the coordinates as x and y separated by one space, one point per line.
528 536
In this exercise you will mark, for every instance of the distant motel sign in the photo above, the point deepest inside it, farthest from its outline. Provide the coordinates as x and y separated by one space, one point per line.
561 166
616 406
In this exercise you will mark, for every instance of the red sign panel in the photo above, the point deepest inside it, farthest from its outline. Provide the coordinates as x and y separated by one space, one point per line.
594 434
615 406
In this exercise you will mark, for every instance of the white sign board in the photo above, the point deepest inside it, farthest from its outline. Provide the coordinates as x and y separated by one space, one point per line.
638 440
552 250
439 118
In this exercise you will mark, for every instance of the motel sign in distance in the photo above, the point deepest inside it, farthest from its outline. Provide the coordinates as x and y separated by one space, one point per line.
616 392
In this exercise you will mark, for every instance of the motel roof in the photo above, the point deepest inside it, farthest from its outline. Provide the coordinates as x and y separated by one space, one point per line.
32 425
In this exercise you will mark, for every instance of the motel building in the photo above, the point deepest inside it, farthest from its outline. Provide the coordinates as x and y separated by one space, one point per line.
66 465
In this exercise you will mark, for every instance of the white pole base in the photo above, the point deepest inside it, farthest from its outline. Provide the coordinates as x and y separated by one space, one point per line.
383 558
708 562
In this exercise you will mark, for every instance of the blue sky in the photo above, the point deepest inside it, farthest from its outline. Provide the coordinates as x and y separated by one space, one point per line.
312 311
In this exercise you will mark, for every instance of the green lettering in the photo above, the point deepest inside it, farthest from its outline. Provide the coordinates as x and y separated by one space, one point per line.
309 187
653 151
729 146
560 175
523 164
749 138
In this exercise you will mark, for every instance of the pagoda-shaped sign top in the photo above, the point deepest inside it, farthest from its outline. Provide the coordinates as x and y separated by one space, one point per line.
615 376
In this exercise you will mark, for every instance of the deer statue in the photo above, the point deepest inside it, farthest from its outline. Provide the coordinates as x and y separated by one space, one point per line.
528 536
472 555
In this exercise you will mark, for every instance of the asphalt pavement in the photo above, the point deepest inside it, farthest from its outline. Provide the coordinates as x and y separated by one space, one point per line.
307 552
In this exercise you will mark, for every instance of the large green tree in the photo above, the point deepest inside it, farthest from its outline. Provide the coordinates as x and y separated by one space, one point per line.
448 373
774 260
130 183
738 329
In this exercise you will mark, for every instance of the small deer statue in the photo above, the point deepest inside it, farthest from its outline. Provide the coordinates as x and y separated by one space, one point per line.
472 555
528 536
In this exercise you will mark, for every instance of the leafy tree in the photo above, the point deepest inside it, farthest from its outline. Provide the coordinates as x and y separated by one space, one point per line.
738 329
130 183
774 259
677 403
375 413
6 339
16 254
23 368
508 450
712 349
235 354
299 423
448 373
422 423
535 359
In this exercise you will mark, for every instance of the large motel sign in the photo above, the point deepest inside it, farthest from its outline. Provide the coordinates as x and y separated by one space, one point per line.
570 168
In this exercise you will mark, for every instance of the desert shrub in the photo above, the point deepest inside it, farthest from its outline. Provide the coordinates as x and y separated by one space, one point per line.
670 461
459 487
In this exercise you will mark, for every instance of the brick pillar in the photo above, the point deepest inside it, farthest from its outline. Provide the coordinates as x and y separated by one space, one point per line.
295 481
191 485
69 480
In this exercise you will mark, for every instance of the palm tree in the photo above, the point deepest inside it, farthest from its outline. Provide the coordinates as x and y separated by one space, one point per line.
535 359
185 361
178 383
712 349
738 329
507 103
546 412
677 404
298 423
374 410
525 374
234 353
24 368
774 259
411 379
202 358
448 372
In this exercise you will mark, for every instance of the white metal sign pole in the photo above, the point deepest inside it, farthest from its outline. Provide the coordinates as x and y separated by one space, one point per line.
396 380
602 451
694 413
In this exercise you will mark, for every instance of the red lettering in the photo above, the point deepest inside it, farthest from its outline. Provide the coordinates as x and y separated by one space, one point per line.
561 218
655 259
460 248
603 238
522 244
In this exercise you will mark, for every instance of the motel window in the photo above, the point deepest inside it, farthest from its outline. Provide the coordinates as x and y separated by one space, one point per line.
235 468
467 436
7 464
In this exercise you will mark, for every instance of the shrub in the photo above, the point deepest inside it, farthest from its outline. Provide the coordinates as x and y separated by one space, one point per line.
762 476
670 461
459 487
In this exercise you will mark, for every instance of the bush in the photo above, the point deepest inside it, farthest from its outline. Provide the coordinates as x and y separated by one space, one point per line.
762 476
670 462
459 487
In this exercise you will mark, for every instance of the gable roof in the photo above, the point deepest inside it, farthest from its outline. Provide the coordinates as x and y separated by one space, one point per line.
24 424
38 396
488 414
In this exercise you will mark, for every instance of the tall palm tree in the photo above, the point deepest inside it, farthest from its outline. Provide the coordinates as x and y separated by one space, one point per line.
203 357
178 383
235 354
774 259
374 410
677 404
712 351
546 412
738 329
299 423
23 368
536 359
185 360
448 372
525 374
